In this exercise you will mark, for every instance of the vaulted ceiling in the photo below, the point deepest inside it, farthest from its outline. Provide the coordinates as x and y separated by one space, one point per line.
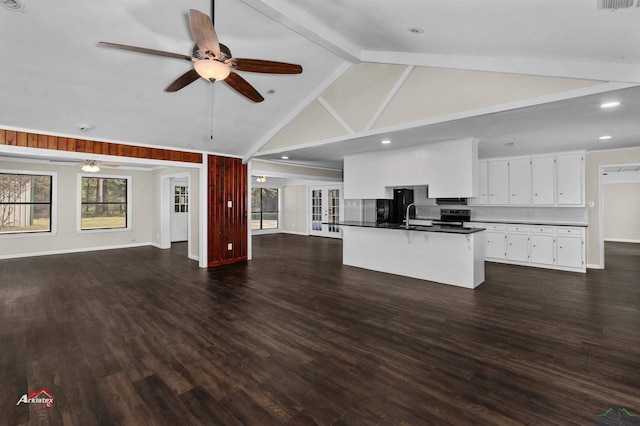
417 71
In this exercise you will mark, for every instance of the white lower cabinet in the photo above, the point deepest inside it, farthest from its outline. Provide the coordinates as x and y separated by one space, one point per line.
518 247
569 251
542 249
556 247
495 247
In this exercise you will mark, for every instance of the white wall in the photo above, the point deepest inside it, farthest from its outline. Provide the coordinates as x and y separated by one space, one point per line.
622 212
595 159
145 218
295 202
68 238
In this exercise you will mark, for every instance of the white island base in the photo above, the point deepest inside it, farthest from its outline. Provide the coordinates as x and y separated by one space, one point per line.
448 258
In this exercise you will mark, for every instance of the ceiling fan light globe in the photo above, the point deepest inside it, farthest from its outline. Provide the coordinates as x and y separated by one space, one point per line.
90 167
211 69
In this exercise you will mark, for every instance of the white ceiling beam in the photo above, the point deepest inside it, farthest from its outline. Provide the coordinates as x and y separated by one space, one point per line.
602 71
307 26
297 110
390 96
336 115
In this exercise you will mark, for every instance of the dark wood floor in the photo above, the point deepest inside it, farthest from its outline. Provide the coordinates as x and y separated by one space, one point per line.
143 336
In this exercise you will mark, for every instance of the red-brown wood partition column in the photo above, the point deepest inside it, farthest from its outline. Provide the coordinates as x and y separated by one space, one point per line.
227 211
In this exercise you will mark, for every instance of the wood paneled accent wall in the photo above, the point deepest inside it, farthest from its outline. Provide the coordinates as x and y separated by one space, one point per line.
227 225
34 140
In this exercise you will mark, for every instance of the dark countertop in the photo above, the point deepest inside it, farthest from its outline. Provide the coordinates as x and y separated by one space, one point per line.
421 228
531 222
517 222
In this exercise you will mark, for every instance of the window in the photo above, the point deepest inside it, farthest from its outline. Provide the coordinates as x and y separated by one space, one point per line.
25 203
264 208
104 202
181 199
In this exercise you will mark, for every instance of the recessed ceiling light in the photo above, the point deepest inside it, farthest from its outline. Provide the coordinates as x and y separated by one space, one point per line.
510 144
609 104
415 30
386 142
605 137
284 157
11 4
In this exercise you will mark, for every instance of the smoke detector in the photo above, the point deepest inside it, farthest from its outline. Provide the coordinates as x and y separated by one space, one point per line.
617 4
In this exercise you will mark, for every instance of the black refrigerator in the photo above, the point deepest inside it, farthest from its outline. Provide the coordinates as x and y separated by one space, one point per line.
393 211
402 197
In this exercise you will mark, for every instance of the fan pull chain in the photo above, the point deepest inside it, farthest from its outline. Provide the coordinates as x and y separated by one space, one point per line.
211 110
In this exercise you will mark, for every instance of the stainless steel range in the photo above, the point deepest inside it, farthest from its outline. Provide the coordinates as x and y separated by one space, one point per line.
453 217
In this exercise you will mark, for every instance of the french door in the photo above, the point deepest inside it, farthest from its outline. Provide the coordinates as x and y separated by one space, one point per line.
326 210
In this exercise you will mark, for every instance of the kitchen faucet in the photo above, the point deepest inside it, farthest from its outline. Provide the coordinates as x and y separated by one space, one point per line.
406 219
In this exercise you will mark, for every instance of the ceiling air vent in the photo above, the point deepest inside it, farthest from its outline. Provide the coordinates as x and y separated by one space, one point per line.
615 4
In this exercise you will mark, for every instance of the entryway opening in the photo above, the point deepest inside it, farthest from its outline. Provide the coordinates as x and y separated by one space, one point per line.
619 205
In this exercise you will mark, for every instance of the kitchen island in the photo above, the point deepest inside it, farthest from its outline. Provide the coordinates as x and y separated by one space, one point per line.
444 254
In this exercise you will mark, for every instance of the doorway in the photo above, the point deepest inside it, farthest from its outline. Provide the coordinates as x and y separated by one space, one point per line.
179 214
326 209
619 205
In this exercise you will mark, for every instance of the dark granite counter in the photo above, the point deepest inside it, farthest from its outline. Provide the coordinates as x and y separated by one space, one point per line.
420 228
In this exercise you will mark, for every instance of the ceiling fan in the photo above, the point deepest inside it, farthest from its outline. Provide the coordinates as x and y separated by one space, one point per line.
213 61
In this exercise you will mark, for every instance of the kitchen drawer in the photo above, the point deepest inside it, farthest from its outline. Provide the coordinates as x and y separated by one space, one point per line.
495 226
565 230
542 229
517 228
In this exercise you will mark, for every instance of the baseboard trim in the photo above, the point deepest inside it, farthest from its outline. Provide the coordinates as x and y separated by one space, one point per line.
622 240
538 265
72 250
192 257
594 266
296 233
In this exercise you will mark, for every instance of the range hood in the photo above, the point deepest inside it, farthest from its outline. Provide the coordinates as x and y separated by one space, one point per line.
451 201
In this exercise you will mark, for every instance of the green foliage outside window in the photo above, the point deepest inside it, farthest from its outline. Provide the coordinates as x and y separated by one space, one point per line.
104 203
25 203
264 208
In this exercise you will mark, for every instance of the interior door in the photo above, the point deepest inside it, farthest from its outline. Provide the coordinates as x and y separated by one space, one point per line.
179 210
326 210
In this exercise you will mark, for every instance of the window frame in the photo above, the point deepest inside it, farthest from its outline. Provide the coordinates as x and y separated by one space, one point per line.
251 212
129 180
53 228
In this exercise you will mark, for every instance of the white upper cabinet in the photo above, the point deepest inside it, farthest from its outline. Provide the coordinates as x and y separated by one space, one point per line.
543 172
483 185
448 167
545 180
498 182
569 181
520 181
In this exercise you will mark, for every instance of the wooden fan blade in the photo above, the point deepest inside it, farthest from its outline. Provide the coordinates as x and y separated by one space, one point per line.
144 50
182 81
271 67
203 32
243 87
